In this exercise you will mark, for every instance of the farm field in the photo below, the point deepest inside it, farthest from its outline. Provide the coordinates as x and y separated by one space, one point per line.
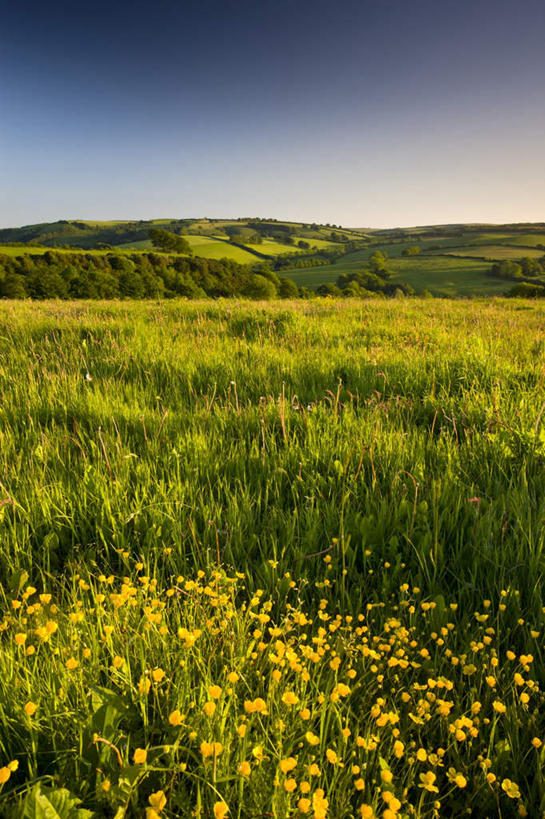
441 275
495 252
276 559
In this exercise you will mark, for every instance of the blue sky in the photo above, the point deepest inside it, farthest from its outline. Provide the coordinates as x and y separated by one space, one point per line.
360 113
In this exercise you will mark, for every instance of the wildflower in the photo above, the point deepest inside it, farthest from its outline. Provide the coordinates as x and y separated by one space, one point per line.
398 749
359 784
30 708
289 698
176 718
140 755
287 764
427 781
209 708
71 664
220 810
157 800
304 804
319 804
536 742
158 675
233 677
211 749
245 769
511 789
366 811
214 692
331 756
499 707
311 738
290 785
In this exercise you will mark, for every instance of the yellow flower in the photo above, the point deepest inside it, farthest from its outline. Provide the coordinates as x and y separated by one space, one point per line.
421 755
214 692
71 664
5 774
511 789
140 755
311 738
157 800
427 782
245 769
209 708
304 714
220 810
331 756
386 776
499 707
158 675
233 677
536 742
20 638
359 784
290 785
287 764
211 749
303 805
289 698
367 812
30 708
257 706
319 804
176 718
398 749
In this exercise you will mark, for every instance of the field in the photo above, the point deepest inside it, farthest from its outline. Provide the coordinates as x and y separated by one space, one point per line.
441 275
497 252
272 559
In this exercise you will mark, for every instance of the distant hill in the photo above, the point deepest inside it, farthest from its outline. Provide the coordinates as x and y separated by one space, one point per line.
444 260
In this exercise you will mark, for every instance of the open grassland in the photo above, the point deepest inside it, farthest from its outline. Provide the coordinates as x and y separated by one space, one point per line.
272 559
496 252
441 275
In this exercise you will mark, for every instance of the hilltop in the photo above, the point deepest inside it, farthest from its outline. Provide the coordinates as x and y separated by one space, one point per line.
443 260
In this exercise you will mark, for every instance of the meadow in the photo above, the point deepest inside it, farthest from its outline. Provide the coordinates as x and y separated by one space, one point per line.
272 559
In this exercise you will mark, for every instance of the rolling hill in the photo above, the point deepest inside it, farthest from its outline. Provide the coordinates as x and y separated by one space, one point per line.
446 260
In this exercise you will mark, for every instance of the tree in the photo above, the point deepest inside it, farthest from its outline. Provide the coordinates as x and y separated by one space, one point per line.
169 242
287 289
378 264
260 288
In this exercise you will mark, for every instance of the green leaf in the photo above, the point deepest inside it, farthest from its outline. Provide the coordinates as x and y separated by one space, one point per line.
53 803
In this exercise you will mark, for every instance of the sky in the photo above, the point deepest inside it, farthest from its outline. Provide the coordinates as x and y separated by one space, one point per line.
366 114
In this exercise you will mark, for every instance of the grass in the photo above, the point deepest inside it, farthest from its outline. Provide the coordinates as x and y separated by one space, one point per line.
496 252
278 557
441 275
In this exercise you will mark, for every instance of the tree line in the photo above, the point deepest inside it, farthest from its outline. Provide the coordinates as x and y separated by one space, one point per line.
136 276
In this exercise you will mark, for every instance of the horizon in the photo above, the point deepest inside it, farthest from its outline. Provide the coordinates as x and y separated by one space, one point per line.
360 115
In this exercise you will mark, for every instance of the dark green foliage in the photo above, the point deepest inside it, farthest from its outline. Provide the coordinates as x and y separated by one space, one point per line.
137 276
169 242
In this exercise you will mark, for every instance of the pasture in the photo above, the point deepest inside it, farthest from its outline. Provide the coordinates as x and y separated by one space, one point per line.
280 557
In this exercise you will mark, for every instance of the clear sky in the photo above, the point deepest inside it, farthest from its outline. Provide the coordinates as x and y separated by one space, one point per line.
382 113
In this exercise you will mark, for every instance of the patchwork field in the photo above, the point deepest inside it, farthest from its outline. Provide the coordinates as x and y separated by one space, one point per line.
441 275
273 559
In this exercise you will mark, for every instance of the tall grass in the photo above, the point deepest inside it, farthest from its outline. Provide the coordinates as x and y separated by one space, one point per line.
402 441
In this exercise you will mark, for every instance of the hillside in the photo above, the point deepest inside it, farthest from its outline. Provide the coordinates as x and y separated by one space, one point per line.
443 260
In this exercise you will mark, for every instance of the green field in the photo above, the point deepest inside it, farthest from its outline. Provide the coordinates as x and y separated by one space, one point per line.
272 559
441 275
496 252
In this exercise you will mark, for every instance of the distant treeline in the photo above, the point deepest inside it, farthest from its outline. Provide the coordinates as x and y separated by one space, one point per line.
136 276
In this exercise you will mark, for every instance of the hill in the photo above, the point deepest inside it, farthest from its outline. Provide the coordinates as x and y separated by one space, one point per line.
444 260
